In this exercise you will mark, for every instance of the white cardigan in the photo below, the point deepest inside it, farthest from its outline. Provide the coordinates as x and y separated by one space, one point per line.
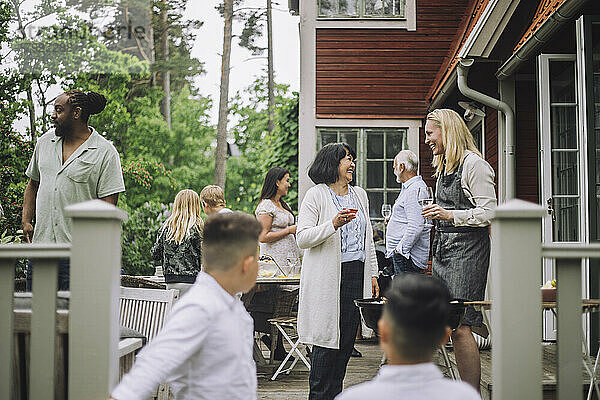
319 304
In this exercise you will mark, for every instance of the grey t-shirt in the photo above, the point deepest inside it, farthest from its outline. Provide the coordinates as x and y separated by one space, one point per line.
93 171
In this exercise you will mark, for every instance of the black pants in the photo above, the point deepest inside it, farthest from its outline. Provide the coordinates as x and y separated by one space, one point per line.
64 265
328 366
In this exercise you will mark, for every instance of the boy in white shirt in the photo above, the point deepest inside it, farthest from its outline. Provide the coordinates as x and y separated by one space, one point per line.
413 325
204 351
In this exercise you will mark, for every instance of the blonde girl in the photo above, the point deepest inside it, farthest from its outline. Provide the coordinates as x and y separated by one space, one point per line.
179 241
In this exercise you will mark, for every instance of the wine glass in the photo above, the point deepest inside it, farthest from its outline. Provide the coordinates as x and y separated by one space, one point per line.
386 211
425 199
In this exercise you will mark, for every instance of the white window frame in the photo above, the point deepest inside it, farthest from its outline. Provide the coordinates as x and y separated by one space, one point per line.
362 125
361 8
309 12
474 123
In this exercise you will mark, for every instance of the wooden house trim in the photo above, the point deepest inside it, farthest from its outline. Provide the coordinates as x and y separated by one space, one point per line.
545 9
467 25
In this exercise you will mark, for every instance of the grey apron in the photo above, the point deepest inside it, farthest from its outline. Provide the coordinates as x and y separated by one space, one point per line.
461 254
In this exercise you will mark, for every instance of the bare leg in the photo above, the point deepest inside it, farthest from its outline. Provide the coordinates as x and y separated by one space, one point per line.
467 356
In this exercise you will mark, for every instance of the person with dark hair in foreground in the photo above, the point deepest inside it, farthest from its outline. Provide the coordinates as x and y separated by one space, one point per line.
204 351
70 165
413 326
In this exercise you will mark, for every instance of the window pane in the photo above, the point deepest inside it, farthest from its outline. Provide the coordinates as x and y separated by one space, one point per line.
562 81
327 136
373 7
391 196
374 144
564 127
395 142
375 174
391 177
348 7
566 227
564 173
327 7
375 202
350 138
476 132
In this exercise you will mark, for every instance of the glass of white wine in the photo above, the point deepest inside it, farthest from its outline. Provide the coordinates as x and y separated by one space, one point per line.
386 211
425 199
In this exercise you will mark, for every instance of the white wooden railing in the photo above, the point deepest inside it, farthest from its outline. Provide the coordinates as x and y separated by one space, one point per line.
517 254
93 316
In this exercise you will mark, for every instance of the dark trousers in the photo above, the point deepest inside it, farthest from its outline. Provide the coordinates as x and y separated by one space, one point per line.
328 366
64 265
403 265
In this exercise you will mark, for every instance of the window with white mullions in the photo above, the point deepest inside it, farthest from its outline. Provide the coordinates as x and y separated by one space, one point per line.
362 8
375 150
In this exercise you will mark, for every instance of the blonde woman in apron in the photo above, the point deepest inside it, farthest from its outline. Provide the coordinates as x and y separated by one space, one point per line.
464 202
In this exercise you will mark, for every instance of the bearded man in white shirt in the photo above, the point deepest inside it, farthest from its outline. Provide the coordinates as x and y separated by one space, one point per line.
204 351
413 326
407 237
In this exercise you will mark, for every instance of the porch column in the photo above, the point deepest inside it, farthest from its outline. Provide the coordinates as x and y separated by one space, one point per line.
94 304
516 300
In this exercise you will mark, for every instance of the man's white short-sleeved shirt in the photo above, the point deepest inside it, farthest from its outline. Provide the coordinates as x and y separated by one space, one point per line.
93 171
410 382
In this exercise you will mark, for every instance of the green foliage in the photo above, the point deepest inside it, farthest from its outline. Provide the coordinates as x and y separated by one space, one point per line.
157 161
261 151
139 234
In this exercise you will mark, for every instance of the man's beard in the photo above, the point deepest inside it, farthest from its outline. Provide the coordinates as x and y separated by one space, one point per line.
62 130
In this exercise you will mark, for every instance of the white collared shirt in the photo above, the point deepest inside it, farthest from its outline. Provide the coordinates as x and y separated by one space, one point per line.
410 382
204 351
406 233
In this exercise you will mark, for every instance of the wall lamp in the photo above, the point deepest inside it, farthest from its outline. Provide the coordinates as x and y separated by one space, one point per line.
471 110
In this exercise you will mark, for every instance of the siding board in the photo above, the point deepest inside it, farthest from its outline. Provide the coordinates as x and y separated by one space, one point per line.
385 73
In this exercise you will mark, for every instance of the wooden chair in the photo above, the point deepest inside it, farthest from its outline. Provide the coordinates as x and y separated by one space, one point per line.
145 310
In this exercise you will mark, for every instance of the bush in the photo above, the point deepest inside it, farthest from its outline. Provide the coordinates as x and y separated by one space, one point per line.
139 234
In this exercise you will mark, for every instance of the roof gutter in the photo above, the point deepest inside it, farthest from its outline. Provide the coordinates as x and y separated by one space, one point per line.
540 37
509 153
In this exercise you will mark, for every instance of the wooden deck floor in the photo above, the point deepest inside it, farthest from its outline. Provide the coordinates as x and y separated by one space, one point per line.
295 385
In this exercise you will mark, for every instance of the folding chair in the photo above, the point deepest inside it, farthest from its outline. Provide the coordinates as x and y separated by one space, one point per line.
282 323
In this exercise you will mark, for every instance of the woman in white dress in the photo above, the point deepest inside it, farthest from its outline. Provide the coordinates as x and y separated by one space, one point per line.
277 219
276 240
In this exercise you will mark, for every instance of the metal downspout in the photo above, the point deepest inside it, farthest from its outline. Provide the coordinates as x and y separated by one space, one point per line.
462 72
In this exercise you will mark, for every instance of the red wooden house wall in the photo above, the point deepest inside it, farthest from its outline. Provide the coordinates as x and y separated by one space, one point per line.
379 73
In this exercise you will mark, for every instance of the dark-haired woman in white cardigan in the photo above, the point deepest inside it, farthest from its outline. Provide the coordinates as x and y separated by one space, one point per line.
339 265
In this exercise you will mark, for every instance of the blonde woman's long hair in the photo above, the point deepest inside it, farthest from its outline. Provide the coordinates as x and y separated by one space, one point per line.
184 217
456 138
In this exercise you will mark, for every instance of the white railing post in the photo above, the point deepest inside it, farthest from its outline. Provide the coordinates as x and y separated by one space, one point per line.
7 285
94 305
569 332
516 300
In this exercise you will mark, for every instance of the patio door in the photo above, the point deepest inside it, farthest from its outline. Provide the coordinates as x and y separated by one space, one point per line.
563 161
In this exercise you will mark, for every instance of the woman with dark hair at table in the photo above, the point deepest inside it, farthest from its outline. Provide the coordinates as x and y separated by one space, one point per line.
339 265
277 219
276 240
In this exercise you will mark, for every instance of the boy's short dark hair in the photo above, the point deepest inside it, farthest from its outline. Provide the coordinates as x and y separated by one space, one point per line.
417 308
227 239
325 167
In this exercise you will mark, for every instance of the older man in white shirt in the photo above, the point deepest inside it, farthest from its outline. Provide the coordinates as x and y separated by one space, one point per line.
413 325
407 237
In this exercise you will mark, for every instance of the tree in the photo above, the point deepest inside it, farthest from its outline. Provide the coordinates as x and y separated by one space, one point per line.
15 152
221 150
259 149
